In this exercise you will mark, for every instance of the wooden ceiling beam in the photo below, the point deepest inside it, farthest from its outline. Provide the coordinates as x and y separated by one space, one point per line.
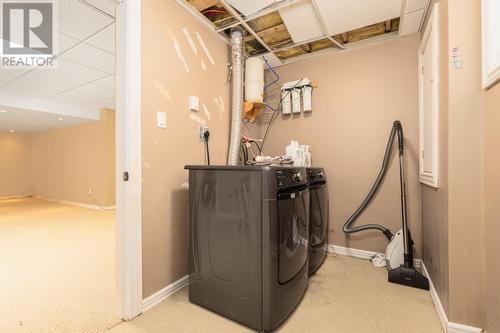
267 32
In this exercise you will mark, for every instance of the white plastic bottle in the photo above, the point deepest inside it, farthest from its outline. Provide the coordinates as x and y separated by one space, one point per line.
308 157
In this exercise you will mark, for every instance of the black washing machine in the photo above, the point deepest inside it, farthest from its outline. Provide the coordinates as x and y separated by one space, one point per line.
318 221
248 241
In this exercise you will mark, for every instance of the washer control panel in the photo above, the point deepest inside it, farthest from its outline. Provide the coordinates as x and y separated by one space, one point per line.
316 175
290 177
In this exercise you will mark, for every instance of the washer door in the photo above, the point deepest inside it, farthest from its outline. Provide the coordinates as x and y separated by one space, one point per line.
319 214
293 219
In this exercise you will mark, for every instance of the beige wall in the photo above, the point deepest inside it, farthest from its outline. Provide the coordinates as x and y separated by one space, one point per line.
166 85
435 201
492 206
67 161
466 234
361 92
453 215
15 164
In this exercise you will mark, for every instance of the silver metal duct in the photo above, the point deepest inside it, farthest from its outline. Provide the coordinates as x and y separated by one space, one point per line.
237 90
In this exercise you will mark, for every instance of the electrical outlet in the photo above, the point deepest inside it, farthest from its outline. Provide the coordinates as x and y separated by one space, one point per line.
89 190
201 132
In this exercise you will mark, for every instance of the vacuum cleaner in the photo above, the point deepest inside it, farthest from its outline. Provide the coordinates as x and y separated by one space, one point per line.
399 253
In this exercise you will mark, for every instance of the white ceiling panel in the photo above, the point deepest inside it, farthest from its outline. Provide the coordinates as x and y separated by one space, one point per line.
44 83
301 21
411 23
105 39
79 20
29 121
346 15
90 56
89 94
248 8
7 75
415 5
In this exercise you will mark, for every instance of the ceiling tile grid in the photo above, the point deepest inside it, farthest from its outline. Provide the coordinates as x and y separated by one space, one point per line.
86 49
89 94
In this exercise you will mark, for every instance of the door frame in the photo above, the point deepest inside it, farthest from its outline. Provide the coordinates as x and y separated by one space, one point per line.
431 34
128 160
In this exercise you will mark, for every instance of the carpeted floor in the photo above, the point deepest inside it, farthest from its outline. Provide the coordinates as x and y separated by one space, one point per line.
346 296
57 268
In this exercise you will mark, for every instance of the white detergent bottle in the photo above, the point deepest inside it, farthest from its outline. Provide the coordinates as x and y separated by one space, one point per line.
308 157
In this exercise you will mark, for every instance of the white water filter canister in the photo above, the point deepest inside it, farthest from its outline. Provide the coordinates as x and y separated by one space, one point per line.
307 98
286 104
254 80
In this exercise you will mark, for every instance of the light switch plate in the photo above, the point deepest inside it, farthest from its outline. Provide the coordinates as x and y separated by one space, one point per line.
194 103
161 118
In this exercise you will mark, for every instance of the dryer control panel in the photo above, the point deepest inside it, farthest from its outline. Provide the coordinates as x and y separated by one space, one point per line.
316 175
290 177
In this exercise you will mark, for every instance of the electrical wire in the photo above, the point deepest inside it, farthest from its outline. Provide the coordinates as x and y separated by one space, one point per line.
206 136
273 71
275 111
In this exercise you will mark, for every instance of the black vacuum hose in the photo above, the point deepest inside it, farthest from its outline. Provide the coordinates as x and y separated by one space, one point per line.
397 130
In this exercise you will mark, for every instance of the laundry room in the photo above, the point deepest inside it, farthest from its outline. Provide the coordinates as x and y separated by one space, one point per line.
303 166
276 166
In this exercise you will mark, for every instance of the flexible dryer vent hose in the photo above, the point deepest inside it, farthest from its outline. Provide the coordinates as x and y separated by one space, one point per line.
397 130
237 92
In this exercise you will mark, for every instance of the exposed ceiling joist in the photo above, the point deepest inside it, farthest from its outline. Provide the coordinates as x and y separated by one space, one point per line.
233 12
276 29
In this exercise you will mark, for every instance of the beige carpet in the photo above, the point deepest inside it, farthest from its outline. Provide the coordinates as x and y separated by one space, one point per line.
347 295
56 268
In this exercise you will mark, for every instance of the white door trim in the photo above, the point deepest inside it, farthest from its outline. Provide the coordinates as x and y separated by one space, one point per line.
431 34
128 159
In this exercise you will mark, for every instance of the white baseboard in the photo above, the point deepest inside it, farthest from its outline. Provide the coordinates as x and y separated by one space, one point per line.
435 299
360 254
11 197
448 326
164 293
78 204
459 328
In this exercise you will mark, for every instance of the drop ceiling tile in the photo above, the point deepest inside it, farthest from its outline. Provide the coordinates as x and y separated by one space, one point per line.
108 82
346 15
44 83
415 5
79 20
7 75
89 94
92 57
105 39
107 6
65 42
248 8
411 23
41 84
302 22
